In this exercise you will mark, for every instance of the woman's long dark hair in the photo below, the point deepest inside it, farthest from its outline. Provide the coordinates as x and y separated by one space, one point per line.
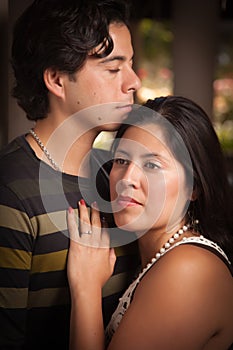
212 206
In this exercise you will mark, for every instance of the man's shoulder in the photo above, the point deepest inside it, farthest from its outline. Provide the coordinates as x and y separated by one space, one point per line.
11 149
14 158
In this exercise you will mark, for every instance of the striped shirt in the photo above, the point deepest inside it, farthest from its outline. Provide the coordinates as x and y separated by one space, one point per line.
34 293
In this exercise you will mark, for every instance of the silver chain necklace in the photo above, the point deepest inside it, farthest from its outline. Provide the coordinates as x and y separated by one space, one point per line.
44 149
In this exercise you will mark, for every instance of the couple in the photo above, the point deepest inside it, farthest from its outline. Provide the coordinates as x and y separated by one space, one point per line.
68 56
167 185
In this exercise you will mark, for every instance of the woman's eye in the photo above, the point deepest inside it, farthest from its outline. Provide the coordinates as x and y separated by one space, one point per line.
121 161
152 165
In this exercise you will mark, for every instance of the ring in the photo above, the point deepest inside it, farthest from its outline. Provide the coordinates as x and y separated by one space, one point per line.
87 233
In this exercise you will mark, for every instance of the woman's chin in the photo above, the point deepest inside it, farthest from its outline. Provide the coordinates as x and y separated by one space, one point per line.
135 227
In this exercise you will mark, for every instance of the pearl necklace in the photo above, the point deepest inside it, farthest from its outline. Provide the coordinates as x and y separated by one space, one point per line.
44 149
167 245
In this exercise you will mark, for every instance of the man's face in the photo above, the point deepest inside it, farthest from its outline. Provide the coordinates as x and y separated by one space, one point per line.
109 80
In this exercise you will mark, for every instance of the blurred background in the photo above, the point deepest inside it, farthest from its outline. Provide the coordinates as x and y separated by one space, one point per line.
182 47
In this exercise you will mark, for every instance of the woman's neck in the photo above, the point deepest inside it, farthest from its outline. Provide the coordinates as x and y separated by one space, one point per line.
151 242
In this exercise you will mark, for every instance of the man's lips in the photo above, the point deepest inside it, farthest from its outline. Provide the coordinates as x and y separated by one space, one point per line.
127 107
125 201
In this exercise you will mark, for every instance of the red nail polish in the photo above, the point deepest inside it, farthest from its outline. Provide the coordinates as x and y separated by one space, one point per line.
82 201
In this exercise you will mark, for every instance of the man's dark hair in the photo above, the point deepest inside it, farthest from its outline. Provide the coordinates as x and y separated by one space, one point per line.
59 34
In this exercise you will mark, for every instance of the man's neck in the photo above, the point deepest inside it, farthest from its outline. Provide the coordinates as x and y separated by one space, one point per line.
68 145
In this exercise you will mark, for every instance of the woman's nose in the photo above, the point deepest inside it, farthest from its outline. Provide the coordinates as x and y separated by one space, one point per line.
132 176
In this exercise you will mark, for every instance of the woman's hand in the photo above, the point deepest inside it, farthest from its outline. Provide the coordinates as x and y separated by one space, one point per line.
90 260
90 264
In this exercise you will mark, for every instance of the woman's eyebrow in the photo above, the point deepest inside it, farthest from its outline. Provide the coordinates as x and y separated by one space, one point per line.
160 156
146 155
122 152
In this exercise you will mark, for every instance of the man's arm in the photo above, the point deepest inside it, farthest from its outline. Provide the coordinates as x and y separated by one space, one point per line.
15 264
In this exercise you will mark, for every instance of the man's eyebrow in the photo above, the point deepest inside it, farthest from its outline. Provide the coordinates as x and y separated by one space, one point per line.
115 58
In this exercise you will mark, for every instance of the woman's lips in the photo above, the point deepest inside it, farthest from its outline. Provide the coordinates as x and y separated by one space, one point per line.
125 201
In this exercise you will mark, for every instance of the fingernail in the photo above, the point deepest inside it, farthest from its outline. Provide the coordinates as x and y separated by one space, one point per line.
70 210
95 205
82 202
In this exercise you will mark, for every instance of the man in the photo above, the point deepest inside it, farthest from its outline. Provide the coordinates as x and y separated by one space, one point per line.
67 56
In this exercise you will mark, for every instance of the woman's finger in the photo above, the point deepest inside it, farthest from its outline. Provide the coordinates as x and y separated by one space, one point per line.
96 223
90 224
72 224
85 225
105 234
85 228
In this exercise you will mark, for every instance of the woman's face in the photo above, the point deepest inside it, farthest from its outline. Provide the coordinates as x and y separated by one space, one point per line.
147 184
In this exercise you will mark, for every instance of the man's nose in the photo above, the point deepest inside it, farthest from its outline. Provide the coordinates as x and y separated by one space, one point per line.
131 81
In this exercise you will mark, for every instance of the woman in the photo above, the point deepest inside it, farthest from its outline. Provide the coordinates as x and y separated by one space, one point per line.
168 185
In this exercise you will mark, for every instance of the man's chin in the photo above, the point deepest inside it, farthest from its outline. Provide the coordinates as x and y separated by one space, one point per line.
111 127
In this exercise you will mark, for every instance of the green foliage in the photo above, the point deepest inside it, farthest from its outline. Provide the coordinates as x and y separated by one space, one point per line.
156 38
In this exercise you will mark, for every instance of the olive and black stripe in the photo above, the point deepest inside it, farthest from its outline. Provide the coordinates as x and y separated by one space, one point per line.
34 293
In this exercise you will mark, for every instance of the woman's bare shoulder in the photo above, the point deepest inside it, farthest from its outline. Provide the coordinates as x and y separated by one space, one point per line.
188 273
192 264
188 294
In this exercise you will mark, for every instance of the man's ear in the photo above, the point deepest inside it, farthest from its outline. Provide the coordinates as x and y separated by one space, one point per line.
54 81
